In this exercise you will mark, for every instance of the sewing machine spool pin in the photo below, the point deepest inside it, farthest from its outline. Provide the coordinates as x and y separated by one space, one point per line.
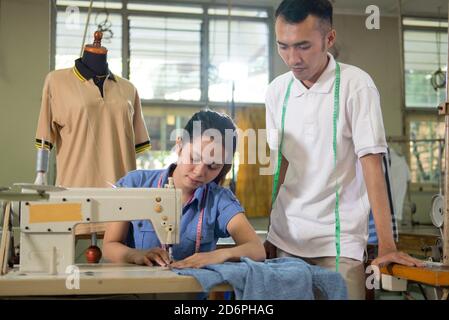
93 253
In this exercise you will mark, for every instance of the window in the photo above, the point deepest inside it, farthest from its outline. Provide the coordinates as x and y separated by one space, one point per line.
243 12
165 8
426 150
69 36
425 51
244 63
175 52
160 129
110 4
165 57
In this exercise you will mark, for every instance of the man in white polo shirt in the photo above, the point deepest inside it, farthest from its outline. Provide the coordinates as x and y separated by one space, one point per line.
331 136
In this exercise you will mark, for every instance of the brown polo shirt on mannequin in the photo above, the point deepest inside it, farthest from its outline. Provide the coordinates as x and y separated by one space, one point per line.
96 137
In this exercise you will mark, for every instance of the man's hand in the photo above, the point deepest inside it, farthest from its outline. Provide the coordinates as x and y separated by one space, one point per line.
201 259
270 249
386 257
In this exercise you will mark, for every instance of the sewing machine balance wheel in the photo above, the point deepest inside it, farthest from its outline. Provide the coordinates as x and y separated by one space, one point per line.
437 210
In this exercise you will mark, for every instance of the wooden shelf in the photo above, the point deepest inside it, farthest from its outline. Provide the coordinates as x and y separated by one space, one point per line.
434 276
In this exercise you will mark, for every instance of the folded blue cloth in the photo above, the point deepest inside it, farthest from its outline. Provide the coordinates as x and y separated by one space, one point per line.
274 279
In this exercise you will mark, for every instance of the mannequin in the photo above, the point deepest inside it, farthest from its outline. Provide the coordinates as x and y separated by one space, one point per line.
95 120
94 56
95 59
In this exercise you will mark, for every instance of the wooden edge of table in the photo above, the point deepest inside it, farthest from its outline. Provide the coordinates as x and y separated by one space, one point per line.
121 281
434 276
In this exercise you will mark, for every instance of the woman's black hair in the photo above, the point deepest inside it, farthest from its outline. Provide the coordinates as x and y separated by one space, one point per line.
221 122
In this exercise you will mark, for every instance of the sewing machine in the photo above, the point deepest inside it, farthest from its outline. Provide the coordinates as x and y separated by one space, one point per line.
47 241
48 216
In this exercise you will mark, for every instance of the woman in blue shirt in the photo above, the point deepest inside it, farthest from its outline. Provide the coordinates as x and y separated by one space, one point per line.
209 210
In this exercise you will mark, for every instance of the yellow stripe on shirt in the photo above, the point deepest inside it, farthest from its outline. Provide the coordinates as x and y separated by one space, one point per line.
143 147
46 145
140 150
78 74
39 146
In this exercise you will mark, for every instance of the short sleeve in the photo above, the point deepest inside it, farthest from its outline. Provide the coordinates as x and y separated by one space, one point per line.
132 179
122 183
228 207
365 114
46 129
272 130
141 138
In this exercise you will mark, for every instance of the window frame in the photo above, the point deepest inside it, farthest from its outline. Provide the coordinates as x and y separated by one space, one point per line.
204 55
416 28
420 115
416 113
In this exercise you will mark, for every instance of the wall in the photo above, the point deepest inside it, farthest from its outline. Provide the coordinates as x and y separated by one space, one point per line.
378 53
24 62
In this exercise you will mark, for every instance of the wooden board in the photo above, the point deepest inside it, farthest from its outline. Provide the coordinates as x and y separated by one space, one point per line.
89 228
253 188
414 244
434 276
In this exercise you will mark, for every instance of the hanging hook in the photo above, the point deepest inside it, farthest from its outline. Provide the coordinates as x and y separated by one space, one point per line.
105 25
438 78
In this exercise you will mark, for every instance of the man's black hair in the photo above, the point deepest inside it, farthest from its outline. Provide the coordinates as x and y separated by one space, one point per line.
296 11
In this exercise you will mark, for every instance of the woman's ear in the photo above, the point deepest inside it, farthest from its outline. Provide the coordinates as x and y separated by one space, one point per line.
178 146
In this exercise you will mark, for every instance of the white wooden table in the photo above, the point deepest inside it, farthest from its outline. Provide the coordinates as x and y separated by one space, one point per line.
101 279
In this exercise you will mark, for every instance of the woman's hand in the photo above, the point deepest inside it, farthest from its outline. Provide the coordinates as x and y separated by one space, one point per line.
155 256
199 260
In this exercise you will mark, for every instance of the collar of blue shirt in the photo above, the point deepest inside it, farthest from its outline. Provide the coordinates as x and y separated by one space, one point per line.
198 194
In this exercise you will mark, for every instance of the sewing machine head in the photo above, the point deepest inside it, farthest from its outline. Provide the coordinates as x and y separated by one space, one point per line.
49 216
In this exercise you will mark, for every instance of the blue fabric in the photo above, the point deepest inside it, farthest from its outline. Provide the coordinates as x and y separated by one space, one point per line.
372 234
274 279
220 207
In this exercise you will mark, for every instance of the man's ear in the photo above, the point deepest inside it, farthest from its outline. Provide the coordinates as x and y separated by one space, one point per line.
331 38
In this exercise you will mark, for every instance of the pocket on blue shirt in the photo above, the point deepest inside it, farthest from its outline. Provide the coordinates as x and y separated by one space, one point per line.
145 237
207 242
